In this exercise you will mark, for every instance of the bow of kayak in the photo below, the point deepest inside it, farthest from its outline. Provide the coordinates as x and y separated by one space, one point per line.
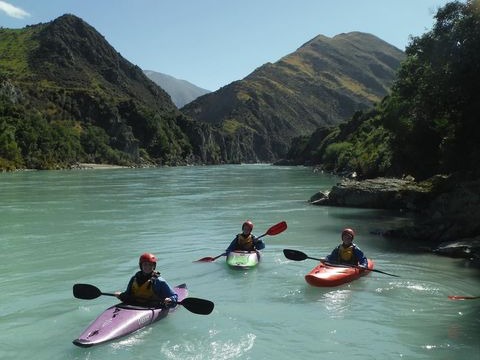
122 319
243 259
326 275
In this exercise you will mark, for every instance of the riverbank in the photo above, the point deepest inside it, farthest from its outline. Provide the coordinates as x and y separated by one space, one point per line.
445 210
92 166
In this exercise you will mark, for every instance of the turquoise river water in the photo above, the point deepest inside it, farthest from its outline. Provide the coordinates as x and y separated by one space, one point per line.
58 228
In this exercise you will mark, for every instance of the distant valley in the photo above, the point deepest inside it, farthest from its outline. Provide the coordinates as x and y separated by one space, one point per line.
181 91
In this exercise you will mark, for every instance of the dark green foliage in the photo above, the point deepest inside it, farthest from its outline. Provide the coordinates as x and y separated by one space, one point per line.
10 155
364 146
94 141
338 155
441 85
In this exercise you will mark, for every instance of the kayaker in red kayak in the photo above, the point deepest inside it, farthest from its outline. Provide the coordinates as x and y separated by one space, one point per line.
246 241
147 287
347 252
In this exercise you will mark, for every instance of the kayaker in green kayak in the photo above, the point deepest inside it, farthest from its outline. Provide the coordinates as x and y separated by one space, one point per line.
347 252
147 287
246 241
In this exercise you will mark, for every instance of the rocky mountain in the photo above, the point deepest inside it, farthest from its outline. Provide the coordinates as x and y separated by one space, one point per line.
322 83
181 91
67 96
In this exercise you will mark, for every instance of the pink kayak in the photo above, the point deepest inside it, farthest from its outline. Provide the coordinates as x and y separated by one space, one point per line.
121 319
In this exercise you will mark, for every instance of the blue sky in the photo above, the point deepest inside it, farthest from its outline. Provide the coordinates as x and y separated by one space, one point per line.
211 43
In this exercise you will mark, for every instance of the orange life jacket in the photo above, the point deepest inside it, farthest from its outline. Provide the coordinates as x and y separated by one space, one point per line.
347 254
144 292
245 243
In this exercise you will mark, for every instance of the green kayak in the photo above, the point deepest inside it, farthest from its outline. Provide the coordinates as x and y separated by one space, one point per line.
243 259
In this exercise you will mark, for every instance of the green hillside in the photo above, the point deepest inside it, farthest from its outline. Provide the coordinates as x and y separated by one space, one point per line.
66 96
428 124
322 83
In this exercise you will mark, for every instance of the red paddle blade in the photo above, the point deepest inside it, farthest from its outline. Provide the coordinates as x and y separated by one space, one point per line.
210 259
277 228
457 297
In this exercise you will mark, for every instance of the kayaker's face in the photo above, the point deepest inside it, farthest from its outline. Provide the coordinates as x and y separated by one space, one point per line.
347 239
246 230
148 267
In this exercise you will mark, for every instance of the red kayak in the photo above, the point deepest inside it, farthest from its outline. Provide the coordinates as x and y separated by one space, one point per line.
325 274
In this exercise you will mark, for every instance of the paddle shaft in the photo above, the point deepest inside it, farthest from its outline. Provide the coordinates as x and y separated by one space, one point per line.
179 302
258 237
195 305
218 256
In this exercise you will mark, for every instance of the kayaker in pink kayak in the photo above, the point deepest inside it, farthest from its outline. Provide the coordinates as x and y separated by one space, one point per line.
246 241
147 287
347 252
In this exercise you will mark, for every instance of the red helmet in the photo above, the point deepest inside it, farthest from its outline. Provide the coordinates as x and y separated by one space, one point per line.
249 225
147 257
348 231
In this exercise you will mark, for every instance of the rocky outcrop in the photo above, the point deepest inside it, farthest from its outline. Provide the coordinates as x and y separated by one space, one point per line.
445 210
9 92
379 193
450 222
469 248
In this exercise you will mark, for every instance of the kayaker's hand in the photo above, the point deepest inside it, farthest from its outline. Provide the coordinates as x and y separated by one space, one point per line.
168 302
117 294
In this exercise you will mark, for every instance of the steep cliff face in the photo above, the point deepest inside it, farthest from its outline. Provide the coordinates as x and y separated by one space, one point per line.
104 89
322 83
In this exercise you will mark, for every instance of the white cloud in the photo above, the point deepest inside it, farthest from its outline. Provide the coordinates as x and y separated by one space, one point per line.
13 11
